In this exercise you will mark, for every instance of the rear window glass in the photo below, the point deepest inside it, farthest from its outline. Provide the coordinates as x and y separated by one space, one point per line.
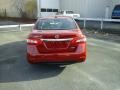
56 24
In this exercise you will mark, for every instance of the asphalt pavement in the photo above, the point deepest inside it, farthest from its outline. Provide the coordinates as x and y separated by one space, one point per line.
101 71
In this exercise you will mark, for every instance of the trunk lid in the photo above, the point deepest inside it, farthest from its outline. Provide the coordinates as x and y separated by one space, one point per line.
56 41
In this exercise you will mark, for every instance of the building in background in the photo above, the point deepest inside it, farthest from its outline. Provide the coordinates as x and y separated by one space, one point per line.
86 8
49 7
90 8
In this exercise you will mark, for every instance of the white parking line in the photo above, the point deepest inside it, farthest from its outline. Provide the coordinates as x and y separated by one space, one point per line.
104 44
115 49
90 77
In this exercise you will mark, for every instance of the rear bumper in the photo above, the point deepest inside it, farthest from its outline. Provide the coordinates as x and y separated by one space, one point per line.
34 56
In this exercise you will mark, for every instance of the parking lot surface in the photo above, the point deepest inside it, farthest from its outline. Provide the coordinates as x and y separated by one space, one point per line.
101 71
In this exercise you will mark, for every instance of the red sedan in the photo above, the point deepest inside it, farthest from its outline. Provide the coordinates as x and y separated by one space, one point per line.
56 39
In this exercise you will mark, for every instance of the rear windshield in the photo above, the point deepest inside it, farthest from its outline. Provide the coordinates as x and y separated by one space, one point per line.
117 7
56 24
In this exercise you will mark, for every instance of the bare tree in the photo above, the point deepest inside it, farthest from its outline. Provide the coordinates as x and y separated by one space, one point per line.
31 8
19 6
3 12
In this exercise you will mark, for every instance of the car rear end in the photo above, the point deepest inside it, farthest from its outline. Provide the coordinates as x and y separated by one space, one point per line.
56 44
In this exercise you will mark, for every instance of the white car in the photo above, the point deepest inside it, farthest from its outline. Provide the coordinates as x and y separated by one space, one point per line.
69 13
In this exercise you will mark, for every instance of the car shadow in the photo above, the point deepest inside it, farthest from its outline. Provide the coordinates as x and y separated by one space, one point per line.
15 68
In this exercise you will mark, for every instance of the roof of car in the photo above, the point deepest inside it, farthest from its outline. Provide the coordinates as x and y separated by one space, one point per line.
57 16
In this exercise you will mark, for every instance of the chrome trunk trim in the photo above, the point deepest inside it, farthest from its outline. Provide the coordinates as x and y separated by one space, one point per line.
57 40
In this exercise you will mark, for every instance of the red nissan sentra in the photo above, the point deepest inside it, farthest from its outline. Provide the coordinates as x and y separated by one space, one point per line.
56 39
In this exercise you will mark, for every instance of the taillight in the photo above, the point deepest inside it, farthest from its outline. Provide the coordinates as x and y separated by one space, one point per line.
32 41
81 40
78 40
